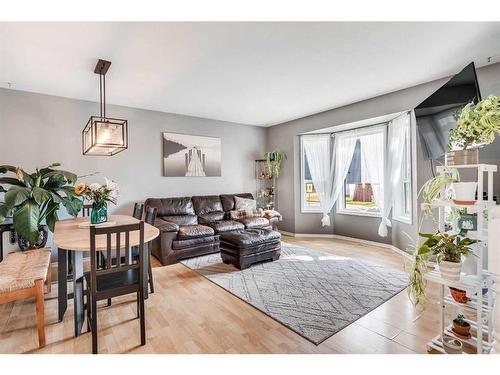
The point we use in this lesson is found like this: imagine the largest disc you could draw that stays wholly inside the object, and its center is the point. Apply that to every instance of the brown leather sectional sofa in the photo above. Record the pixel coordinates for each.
(190, 226)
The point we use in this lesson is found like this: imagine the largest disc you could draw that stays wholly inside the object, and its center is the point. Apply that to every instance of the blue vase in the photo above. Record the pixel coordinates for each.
(99, 213)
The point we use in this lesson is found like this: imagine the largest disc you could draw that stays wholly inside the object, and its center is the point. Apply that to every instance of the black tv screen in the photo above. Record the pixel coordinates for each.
(436, 114)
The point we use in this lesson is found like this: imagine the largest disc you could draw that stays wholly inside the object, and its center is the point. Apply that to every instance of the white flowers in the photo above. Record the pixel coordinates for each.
(96, 193)
(114, 192)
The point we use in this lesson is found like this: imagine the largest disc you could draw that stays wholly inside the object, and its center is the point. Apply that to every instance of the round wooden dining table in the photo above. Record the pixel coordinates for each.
(74, 241)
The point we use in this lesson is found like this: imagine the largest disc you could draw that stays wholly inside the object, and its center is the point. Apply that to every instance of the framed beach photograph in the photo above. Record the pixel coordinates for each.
(186, 155)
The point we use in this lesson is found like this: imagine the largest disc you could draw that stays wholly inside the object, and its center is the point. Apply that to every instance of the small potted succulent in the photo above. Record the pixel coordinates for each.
(460, 326)
(477, 124)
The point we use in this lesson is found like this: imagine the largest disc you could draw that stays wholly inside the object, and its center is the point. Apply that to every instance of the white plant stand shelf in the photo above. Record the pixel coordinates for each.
(480, 306)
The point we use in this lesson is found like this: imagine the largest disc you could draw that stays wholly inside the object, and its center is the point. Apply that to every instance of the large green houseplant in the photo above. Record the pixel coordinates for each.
(34, 199)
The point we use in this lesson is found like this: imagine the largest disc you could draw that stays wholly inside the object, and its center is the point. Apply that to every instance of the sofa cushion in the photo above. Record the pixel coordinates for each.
(182, 219)
(206, 204)
(183, 244)
(210, 217)
(171, 206)
(227, 200)
(166, 226)
(226, 226)
(255, 222)
(250, 238)
(194, 231)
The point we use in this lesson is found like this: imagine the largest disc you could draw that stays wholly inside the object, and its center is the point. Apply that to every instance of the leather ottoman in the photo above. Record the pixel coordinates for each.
(246, 247)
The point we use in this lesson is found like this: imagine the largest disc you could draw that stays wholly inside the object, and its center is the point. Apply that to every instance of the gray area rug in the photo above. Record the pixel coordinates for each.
(313, 293)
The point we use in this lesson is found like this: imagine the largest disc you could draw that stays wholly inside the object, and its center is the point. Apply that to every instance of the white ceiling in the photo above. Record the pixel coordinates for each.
(251, 73)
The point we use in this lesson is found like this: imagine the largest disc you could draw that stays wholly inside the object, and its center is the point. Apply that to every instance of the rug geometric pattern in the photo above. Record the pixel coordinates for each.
(313, 293)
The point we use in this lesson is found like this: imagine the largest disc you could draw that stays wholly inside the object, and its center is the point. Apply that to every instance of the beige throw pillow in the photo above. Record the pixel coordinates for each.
(244, 204)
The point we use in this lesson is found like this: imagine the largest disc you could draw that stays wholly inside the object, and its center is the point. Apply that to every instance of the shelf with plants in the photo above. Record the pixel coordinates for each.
(267, 171)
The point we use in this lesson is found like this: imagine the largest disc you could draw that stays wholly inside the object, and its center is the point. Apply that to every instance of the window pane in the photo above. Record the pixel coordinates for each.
(359, 189)
(311, 200)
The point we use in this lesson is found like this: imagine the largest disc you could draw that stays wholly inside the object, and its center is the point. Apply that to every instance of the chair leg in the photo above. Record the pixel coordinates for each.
(48, 280)
(150, 273)
(40, 312)
(142, 318)
(138, 307)
(89, 308)
(109, 301)
(94, 326)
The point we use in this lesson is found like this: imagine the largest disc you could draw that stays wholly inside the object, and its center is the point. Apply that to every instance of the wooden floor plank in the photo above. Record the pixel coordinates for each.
(189, 314)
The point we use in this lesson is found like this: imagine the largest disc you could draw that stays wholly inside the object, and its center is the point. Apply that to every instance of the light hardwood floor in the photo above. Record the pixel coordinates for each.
(189, 314)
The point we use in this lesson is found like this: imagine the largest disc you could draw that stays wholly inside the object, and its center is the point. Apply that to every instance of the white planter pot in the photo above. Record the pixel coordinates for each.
(450, 270)
(464, 191)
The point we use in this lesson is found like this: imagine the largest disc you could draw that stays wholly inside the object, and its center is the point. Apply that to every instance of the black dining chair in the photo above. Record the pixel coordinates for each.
(138, 210)
(86, 209)
(113, 279)
(150, 218)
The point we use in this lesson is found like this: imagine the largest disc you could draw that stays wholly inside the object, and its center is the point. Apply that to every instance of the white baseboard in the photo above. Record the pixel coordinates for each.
(352, 239)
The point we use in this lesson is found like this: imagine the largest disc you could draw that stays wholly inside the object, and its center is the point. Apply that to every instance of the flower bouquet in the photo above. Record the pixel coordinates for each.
(99, 195)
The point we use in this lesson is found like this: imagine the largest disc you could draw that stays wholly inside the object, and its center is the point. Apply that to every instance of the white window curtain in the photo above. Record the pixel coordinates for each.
(372, 164)
(343, 150)
(394, 165)
(319, 159)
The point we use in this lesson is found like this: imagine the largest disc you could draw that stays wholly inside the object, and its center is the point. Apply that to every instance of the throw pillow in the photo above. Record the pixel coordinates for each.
(244, 204)
(241, 214)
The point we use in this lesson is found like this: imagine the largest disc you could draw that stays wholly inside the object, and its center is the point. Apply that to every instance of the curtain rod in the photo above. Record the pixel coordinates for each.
(359, 127)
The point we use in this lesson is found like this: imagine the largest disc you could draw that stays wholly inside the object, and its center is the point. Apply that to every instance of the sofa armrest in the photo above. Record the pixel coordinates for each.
(269, 214)
(166, 226)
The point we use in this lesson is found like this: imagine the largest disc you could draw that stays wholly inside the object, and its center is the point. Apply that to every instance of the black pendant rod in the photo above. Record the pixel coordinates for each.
(101, 69)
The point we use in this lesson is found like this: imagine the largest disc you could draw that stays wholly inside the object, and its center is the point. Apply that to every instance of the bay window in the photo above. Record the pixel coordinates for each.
(363, 191)
(403, 196)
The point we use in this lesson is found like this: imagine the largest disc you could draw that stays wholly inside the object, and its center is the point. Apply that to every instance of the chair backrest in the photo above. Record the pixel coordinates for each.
(138, 210)
(117, 238)
(150, 215)
(86, 210)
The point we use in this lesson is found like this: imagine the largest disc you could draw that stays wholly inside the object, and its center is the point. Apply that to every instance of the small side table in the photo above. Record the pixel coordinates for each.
(6, 226)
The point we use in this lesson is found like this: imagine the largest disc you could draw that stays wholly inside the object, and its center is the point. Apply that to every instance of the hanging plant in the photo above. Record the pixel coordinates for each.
(273, 161)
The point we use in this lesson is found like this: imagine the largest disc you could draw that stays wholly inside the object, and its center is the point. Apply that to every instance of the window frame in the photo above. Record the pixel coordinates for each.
(303, 208)
(398, 204)
(371, 129)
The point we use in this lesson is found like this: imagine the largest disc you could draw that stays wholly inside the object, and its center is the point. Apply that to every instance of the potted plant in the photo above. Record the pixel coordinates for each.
(99, 195)
(477, 124)
(464, 192)
(273, 161)
(448, 250)
(432, 189)
(460, 326)
(34, 199)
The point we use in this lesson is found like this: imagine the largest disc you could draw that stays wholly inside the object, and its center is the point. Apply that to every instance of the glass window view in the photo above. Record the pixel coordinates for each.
(363, 186)
(310, 199)
(403, 197)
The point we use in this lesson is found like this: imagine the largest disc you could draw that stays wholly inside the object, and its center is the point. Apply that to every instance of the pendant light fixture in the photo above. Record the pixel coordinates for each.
(104, 136)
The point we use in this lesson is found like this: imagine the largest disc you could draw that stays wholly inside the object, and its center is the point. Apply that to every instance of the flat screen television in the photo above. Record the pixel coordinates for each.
(436, 114)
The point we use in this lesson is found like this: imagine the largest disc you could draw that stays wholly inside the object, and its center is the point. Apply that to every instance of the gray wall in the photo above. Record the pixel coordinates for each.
(39, 129)
(285, 137)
